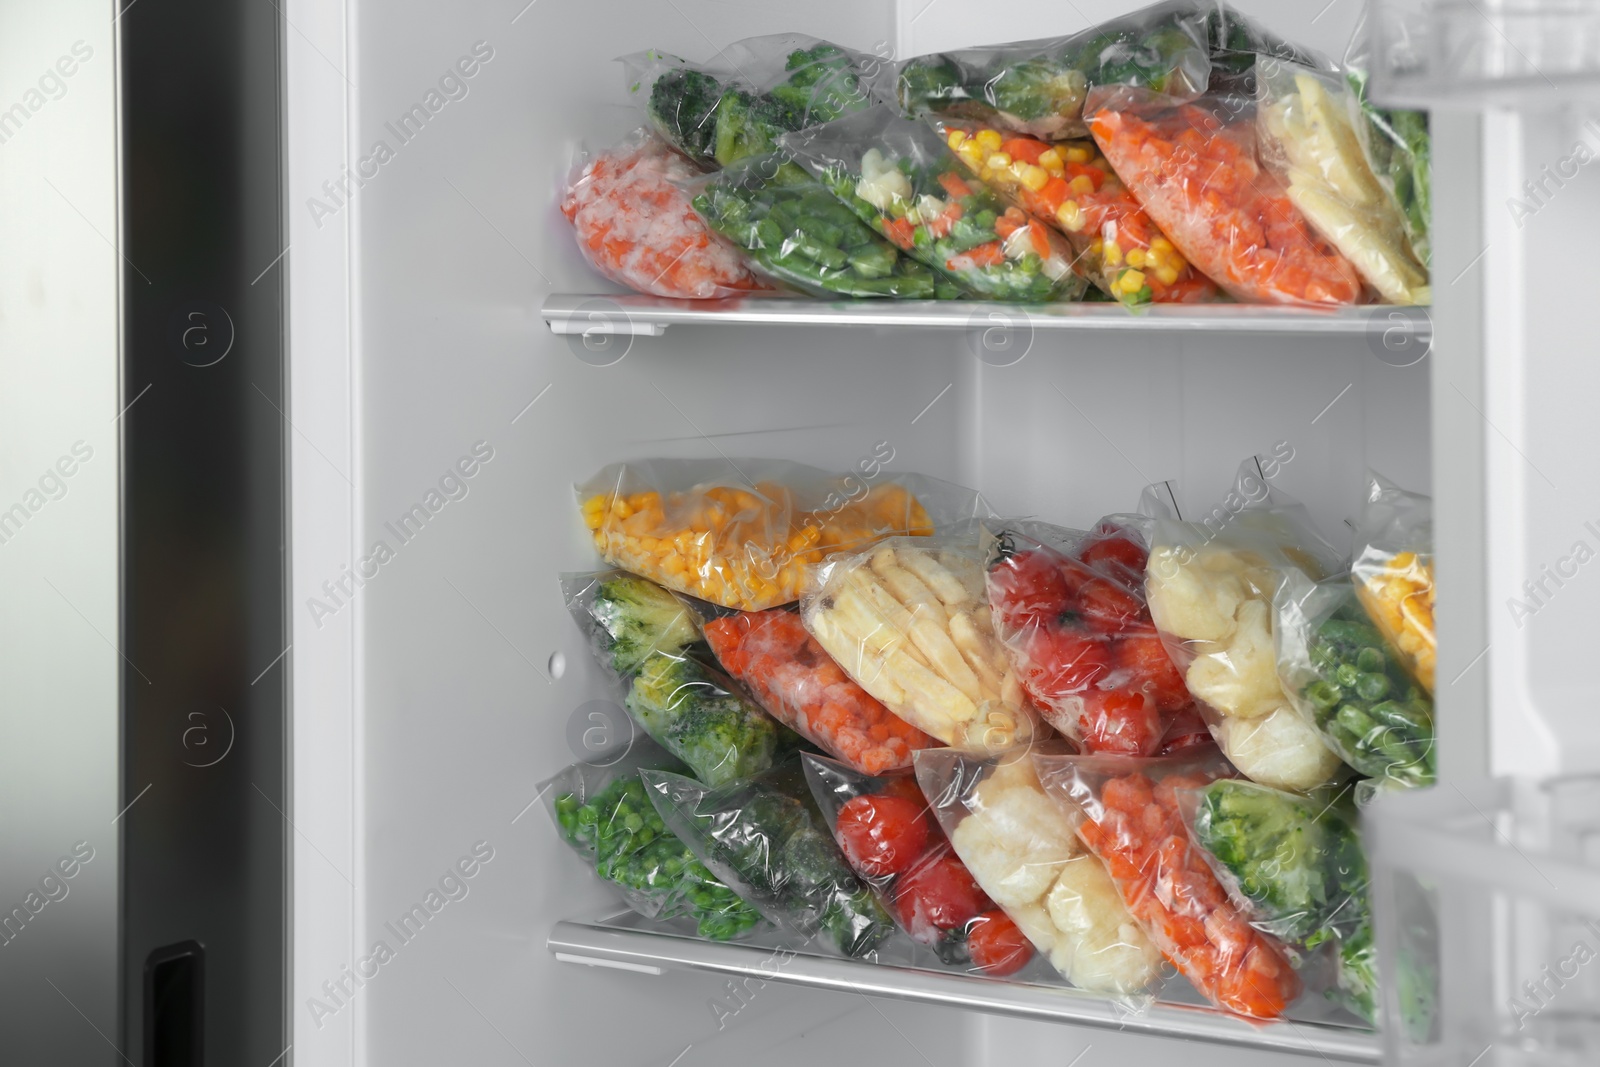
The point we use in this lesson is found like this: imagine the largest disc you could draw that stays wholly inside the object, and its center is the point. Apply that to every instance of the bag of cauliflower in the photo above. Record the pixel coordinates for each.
(1210, 583)
(1022, 847)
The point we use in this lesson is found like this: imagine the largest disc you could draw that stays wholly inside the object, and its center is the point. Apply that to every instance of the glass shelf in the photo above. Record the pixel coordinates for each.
(627, 942)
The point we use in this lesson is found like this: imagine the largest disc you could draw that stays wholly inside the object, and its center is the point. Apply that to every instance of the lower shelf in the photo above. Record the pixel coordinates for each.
(627, 942)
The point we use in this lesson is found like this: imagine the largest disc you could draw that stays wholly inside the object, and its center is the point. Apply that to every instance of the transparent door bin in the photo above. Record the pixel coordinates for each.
(1487, 904)
(1472, 52)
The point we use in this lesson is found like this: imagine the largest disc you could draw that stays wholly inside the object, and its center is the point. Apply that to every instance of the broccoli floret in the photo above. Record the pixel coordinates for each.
(856, 922)
(721, 736)
(637, 618)
(683, 103)
(749, 124)
(822, 85)
(1038, 89)
(931, 83)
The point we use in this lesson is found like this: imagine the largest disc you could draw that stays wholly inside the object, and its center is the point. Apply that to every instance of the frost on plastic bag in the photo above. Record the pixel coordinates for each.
(1308, 125)
(892, 840)
(1393, 573)
(635, 225)
(796, 232)
(1210, 586)
(1196, 169)
(605, 815)
(766, 839)
(627, 619)
(1115, 244)
(1077, 631)
(898, 176)
(1134, 824)
(1020, 845)
(908, 619)
(798, 683)
(750, 94)
(1340, 674)
(739, 533)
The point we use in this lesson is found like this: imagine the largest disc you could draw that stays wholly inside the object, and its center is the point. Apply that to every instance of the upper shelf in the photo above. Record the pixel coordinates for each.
(578, 314)
(629, 943)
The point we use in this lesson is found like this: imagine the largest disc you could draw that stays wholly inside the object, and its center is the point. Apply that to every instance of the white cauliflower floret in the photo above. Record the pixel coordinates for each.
(1241, 679)
(1280, 750)
(1100, 947)
(1189, 601)
(1035, 924)
(882, 183)
(1015, 839)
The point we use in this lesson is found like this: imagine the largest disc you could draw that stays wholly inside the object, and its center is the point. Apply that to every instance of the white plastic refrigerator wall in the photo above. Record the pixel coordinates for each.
(431, 699)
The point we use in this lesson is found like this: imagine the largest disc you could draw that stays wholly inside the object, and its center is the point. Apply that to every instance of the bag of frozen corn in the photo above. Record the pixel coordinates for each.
(1393, 572)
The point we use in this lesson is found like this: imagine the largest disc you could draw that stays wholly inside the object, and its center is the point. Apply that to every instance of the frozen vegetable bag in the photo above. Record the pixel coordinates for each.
(898, 176)
(909, 621)
(605, 815)
(642, 636)
(893, 842)
(739, 532)
(635, 225)
(1134, 823)
(1210, 585)
(1021, 846)
(1393, 572)
(765, 838)
(1398, 145)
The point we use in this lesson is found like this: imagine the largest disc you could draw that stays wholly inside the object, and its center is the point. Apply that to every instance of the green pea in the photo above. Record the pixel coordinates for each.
(1371, 660)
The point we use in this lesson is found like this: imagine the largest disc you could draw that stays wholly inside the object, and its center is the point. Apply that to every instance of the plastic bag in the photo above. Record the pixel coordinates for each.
(798, 683)
(1021, 846)
(899, 177)
(1115, 244)
(1393, 573)
(795, 231)
(750, 94)
(605, 815)
(1196, 169)
(1398, 146)
(739, 533)
(635, 225)
(1134, 824)
(627, 619)
(765, 838)
(1308, 125)
(1078, 633)
(1210, 586)
(1339, 673)
(908, 619)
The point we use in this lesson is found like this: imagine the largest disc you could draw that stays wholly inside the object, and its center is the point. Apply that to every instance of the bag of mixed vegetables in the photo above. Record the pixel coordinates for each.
(1308, 123)
(1070, 185)
(1021, 846)
(798, 683)
(1133, 822)
(898, 177)
(1393, 573)
(1398, 147)
(765, 838)
(909, 620)
(739, 533)
(890, 838)
(1340, 674)
(1210, 586)
(795, 231)
(1077, 631)
(749, 95)
(642, 635)
(605, 815)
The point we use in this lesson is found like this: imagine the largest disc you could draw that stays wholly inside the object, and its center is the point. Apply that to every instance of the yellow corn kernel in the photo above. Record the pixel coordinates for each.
(1136, 258)
(1035, 177)
(1082, 185)
(1160, 244)
(1167, 275)
(989, 140)
(1070, 215)
(1132, 281)
(1050, 159)
(1112, 253)
(986, 173)
(998, 161)
(955, 138)
(1096, 246)
(1076, 154)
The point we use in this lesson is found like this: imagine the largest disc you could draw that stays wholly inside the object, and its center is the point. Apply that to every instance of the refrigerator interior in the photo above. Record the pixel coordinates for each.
(429, 701)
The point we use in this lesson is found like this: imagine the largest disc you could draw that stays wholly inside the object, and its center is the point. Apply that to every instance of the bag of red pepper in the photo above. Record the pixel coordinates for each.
(1134, 822)
(1071, 612)
(893, 842)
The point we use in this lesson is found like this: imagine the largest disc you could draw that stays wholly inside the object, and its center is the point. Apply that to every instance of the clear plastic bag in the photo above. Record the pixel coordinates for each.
(635, 225)
(1393, 573)
(795, 231)
(1196, 169)
(798, 683)
(765, 838)
(1134, 824)
(607, 818)
(739, 533)
(1077, 631)
(1336, 668)
(751, 93)
(909, 620)
(1021, 846)
(1210, 586)
(1398, 146)
(898, 176)
(1115, 244)
(1308, 125)
(627, 619)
